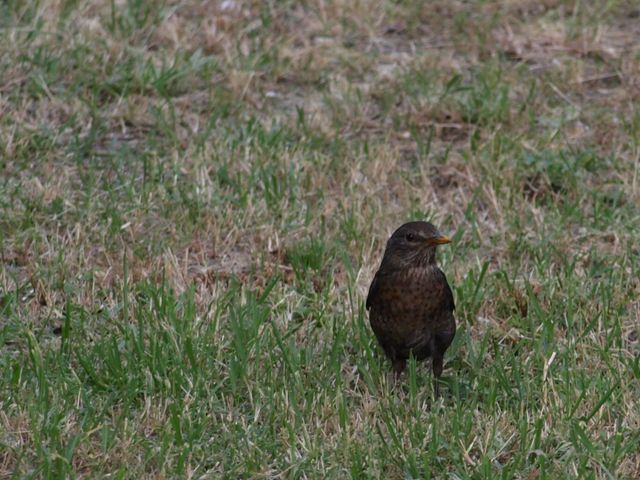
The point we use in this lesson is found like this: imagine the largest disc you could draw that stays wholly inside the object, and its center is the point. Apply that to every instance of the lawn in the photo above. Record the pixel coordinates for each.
(195, 195)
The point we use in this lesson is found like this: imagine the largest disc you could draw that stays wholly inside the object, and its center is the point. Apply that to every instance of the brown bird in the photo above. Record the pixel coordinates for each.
(410, 302)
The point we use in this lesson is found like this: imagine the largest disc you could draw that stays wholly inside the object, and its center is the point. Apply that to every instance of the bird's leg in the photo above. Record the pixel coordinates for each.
(398, 366)
(436, 364)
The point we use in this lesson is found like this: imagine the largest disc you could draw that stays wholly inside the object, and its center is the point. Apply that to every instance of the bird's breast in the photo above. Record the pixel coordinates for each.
(411, 290)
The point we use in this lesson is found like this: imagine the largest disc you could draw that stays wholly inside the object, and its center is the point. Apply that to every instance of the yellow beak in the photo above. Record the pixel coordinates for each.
(439, 240)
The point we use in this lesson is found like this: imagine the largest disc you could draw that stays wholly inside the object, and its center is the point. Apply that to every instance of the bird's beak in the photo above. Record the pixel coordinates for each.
(441, 240)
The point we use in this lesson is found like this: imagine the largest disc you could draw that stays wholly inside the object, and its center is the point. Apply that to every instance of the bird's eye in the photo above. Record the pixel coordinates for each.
(410, 237)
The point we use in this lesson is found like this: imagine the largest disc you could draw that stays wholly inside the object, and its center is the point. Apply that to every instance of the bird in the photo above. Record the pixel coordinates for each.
(410, 302)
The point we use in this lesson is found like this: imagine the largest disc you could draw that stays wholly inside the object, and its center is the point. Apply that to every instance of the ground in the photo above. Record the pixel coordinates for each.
(195, 196)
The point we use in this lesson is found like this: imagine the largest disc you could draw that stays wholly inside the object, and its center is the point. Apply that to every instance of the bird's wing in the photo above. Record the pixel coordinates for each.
(373, 291)
(449, 303)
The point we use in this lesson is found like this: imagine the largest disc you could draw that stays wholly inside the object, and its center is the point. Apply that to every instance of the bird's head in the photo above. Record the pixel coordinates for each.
(412, 245)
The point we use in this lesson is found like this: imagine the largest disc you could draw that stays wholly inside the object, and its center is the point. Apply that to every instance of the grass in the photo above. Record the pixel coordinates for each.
(195, 197)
